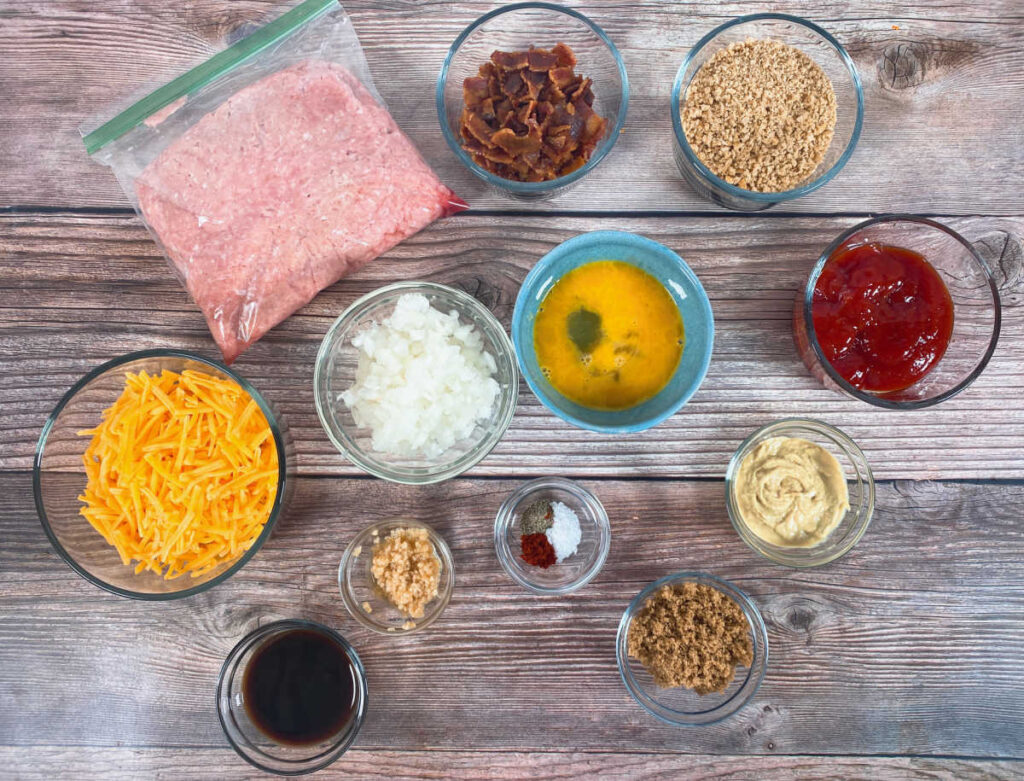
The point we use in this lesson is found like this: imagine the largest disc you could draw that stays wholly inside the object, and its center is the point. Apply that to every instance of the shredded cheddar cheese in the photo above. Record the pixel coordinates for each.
(182, 472)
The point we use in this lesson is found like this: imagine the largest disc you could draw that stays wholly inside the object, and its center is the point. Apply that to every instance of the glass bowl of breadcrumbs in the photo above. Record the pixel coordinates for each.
(396, 577)
(692, 649)
(765, 108)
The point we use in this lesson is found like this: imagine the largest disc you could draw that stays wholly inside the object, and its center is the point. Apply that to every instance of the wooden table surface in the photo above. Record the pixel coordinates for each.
(904, 659)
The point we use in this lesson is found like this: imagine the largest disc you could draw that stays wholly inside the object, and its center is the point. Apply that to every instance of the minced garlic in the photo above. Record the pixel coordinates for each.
(407, 570)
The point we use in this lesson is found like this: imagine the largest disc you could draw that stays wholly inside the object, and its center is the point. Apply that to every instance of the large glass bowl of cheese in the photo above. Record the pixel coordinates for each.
(160, 474)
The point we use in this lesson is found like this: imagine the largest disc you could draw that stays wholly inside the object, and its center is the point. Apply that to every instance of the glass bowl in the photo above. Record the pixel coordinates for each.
(359, 591)
(682, 285)
(830, 56)
(575, 571)
(58, 478)
(859, 482)
(977, 313)
(335, 372)
(683, 707)
(516, 28)
(255, 747)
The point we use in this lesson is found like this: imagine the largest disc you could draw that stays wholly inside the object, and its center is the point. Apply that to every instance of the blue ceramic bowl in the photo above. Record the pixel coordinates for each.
(681, 283)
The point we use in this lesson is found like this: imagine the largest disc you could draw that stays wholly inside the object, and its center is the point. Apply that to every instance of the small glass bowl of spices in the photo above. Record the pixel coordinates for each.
(692, 649)
(396, 576)
(765, 108)
(800, 492)
(552, 535)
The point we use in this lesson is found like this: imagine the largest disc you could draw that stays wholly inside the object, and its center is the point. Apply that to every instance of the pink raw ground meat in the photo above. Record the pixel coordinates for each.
(286, 187)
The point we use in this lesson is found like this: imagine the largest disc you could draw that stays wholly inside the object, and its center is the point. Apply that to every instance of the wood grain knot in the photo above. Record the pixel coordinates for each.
(800, 619)
(905, 65)
(765, 720)
(218, 25)
(901, 67)
(487, 293)
(243, 30)
(1004, 253)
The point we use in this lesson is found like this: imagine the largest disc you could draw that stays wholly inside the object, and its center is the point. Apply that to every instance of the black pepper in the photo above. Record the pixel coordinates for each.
(536, 519)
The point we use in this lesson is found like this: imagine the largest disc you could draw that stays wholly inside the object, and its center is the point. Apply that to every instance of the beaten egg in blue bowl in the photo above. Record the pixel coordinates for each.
(613, 331)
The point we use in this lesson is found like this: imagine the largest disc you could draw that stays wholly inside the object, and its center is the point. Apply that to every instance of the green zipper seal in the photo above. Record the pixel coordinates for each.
(203, 74)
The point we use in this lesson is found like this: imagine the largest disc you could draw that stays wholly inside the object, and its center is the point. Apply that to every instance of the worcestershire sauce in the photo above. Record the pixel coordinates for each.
(299, 688)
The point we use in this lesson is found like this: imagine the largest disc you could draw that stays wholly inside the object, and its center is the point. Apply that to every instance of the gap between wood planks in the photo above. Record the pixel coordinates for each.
(117, 211)
(1009, 481)
(585, 752)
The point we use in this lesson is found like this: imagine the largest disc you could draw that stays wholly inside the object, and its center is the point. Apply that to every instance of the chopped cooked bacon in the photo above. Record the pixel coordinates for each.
(528, 116)
(541, 60)
(566, 57)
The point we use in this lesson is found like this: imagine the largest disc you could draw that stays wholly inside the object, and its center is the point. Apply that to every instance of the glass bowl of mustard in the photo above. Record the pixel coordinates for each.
(800, 492)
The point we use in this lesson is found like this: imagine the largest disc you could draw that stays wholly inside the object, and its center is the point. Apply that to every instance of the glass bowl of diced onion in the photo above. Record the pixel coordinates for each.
(60, 478)
(338, 368)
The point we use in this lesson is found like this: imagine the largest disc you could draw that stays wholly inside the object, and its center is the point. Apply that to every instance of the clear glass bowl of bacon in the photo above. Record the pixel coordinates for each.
(531, 98)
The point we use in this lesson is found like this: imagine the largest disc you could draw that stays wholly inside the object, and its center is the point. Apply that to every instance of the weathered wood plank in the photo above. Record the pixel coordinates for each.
(944, 94)
(78, 290)
(196, 764)
(871, 655)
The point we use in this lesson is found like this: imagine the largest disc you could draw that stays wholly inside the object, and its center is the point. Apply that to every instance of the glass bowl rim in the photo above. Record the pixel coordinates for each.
(486, 321)
(531, 188)
(753, 195)
(114, 363)
(444, 595)
(812, 339)
(503, 521)
(592, 237)
(758, 630)
(361, 684)
(865, 513)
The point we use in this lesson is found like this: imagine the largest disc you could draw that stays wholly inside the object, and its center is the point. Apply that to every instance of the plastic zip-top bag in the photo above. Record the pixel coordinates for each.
(270, 171)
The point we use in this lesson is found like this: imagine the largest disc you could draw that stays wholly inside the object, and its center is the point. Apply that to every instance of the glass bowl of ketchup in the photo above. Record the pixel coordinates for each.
(900, 312)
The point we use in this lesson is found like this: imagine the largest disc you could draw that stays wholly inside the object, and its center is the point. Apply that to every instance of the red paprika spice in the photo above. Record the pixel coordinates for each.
(538, 550)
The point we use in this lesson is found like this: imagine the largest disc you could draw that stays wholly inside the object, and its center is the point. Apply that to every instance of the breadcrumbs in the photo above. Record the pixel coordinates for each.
(407, 570)
(691, 635)
(760, 115)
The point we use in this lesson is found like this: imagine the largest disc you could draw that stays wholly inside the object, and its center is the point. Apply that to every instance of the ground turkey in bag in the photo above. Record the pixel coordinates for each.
(290, 184)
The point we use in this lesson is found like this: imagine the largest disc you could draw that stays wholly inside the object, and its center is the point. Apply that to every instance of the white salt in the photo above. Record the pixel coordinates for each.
(423, 381)
(564, 534)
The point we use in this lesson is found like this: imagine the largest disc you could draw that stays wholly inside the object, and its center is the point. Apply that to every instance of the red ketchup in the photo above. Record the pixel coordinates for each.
(882, 316)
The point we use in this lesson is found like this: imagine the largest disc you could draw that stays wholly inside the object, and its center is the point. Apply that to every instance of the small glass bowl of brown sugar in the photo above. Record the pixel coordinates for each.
(396, 577)
(765, 108)
(655, 649)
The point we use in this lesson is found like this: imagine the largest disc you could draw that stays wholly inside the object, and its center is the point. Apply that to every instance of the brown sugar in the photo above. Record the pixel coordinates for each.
(760, 115)
(407, 570)
(691, 635)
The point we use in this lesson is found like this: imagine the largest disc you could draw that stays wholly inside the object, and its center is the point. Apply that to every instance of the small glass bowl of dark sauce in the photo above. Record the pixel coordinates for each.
(292, 697)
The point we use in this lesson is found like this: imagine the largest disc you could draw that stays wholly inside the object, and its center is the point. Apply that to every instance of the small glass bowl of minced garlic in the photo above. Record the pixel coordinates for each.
(800, 492)
(396, 576)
